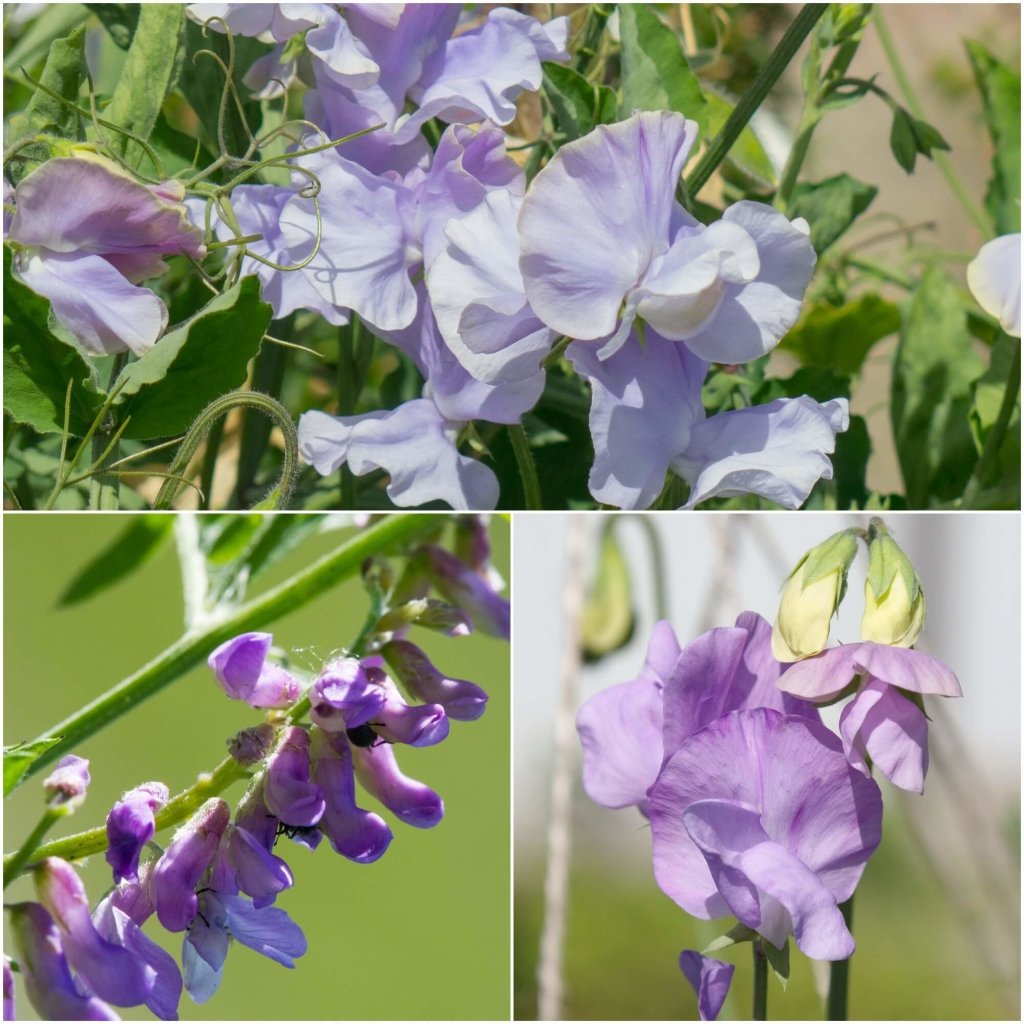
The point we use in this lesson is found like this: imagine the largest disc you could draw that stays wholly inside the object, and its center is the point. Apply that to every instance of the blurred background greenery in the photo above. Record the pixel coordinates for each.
(421, 934)
(937, 914)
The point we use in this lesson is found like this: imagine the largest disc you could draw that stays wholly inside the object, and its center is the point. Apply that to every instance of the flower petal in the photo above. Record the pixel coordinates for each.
(994, 279)
(710, 980)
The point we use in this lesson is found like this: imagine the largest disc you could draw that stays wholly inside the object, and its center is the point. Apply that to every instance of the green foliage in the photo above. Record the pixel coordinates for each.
(1000, 94)
(128, 551)
(747, 162)
(194, 363)
(830, 207)
(608, 617)
(850, 465)
(578, 106)
(989, 390)
(655, 74)
(120, 21)
(39, 367)
(910, 136)
(933, 373)
(19, 757)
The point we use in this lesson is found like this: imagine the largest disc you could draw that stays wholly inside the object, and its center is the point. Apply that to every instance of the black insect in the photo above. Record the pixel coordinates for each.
(364, 735)
(292, 831)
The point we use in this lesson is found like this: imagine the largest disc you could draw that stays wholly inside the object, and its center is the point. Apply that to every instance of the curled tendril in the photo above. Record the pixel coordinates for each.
(280, 495)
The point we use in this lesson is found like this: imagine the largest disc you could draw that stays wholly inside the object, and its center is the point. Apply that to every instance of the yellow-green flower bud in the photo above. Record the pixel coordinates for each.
(893, 597)
(810, 598)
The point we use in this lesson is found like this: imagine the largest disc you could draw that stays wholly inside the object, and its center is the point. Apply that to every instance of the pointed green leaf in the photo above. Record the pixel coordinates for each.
(778, 960)
(608, 618)
(38, 366)
(988, 399)
(20, 757)
(747, 156)
(194, 363)
(902, 141)
(830, 207)
(577, 105)
(655, 74)
(738, 933)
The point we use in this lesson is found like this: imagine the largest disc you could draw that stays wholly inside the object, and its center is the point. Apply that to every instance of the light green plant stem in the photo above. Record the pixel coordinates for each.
(15, 862)
(597, 18)
(104, 488)
(654, 546)
(839, 974)
(527, 467)
(760, 981)
(976, 214)
(754, 96)
(348, 395)
(996, 436)
(193, 648)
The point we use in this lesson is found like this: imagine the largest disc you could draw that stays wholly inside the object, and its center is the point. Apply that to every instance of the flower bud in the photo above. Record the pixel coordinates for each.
(66, 785)
(461, 586)
(461, 699)
(242, 669)
(287, 790)
(810, 598)
(893, 598)
(130, 825)
(8, 990)
(250, 746)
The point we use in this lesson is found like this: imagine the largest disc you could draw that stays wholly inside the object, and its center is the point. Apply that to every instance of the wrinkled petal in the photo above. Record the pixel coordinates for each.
(778, 450)
(415, 803)
(414, 443)
(710, 980)
(994, 279)
(130, 825)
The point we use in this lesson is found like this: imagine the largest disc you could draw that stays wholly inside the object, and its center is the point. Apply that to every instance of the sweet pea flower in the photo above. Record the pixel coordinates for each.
(885, 721)
(88, 257)
(130, 825)
(737, 830)
(604, 242)
(994, 279)
(244, 673)
(710, 980)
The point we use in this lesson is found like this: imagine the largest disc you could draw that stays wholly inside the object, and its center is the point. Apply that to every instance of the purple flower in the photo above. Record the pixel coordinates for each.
(288, 792)
(605, 242)
(413, 802)
(130, 825)
(44, 969)
(759, 815)
(8, 990)
(459, 584)
(461, 699)
(183, 864)
(994, 279)
(242, 669)
(344, 696)
(710, 980)
(66, 785)
(87, 257)
(885, 720)
(357, 834)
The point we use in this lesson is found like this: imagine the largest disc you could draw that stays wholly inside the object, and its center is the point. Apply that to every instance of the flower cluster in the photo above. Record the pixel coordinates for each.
(220, 875)
(756, 808)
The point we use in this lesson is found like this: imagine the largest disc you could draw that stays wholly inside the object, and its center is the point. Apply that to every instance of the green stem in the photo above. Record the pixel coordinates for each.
(210, 455)
(661, 607)
(760, 981)
(15, 862)
(527, 467)
(754, 96)
(597, 18)
(977, 215)
(348, 395)
(996, 435)
(192, 649)
(839, 974)
(104, 487)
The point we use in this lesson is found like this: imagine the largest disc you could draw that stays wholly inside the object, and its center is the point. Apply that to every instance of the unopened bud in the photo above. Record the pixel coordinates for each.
(893, 599)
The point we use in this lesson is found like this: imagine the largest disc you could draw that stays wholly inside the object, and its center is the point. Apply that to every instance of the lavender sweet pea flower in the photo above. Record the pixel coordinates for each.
(994, 279)
(288, 792)
(65, 786)
(710, 980)
(463, 587)
(130, 825)
(883, 721)
(243, 671)
(780, 850)
(604, 242)
(461, 699)
(87, 257)
(44, 969)
(415, 803)
(183, 864)
(357, 834)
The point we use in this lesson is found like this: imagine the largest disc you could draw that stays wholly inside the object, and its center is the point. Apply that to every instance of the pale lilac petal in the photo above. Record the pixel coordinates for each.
(645, 408)
(994, 279)
(779, 451)
(823, 677)
(882, 724)
(710, 980)
(414, 443)
(205, 949)
(345, 58)
(244, 672)
(595, 218)
(100, 307)
(267, 930)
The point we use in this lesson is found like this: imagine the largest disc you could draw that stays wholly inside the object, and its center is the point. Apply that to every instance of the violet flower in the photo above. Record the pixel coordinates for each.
(415, 803)
(344, 697)
(66, 785)
(244, 673)
(8, 989)
(461, 699)
(87, 257)
(130, 825)
(885, 721)
(710, 980)
(461, 585)
(258, 872)
(44, 969)
(288, 792)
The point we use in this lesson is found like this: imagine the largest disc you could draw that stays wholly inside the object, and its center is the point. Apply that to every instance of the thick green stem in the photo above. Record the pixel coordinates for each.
(996, 436)
(527, 467)
(976, 214)
(192, 649)
(15, 862)
(839, 975)
(754, 96)
(760, 981)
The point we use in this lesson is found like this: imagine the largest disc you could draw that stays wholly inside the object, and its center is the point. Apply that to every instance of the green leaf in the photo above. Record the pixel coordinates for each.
(830, 207)
(194, 363)
(988, 398)
(778, 960)
(1000, 95)
(21, 756)
(655, 74)
(738, 933)
(137, 543)
(55, 22)
(44, 115)
(38, 366)
(120, 21)
(150, 72)
(578, 106)
(901, 140)
(850, 465)
(747, 157)
(840, 338)
(934, 369)
(608, 617)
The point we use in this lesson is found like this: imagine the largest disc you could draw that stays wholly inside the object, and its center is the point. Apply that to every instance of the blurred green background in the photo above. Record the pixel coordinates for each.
(421, 934)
